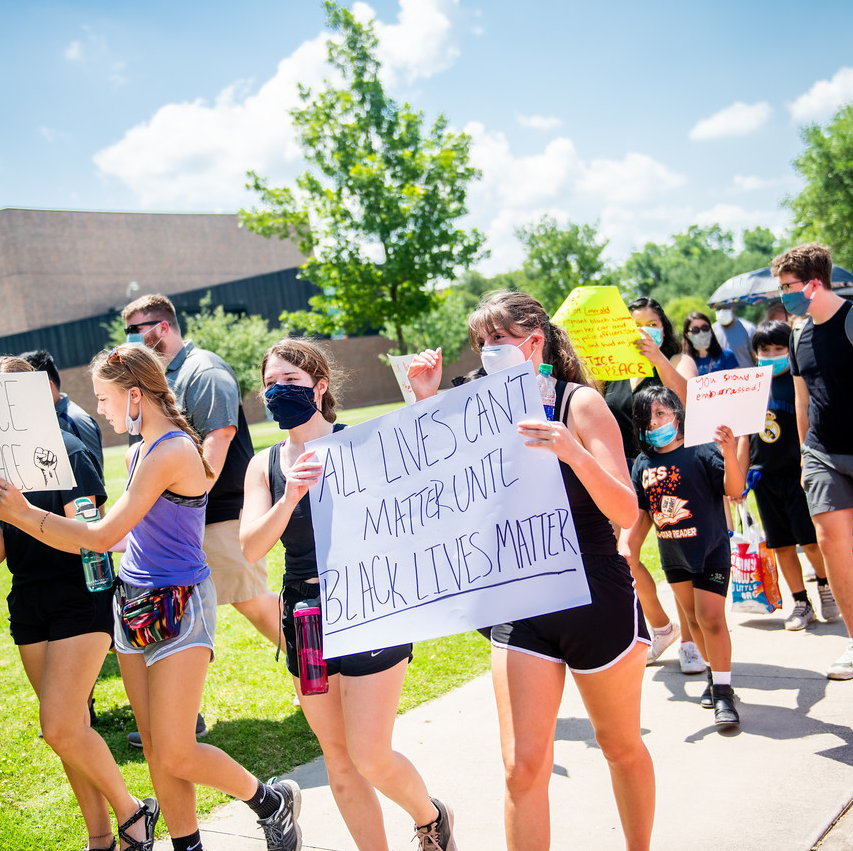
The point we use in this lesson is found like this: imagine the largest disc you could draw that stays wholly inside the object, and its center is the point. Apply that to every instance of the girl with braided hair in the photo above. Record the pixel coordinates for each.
(165, 600)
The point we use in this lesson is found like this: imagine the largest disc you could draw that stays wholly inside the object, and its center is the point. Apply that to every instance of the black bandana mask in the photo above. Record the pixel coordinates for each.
(290, 404)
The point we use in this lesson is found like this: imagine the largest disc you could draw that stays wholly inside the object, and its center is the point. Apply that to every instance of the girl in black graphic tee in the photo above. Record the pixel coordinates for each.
(680, 490)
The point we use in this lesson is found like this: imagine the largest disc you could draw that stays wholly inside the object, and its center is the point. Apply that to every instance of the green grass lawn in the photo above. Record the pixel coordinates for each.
(247, 703)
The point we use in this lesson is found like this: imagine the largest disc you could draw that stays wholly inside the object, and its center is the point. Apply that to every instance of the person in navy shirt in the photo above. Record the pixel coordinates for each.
(702, 345)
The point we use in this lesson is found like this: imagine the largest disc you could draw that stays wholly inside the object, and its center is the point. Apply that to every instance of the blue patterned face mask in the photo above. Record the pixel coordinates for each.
(779, 363)
(291, 405)
(655, 333)
(796, 303)
(662, 436)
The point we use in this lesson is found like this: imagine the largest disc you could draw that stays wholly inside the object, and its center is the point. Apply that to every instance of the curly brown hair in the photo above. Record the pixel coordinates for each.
(808, 262)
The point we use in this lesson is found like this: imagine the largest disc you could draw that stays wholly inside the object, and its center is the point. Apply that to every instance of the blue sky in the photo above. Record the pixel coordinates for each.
(642, 117)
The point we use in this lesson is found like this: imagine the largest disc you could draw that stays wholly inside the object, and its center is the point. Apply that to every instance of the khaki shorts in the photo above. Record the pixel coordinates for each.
(236, 579)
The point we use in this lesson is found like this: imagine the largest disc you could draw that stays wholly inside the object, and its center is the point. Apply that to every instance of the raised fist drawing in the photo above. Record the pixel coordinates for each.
(46, 461)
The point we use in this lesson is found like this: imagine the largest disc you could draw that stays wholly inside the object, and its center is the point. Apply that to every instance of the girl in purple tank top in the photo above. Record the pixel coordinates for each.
(159, 521)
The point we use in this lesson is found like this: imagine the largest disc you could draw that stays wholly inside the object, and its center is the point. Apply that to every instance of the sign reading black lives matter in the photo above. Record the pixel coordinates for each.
(32, 454)
(436, 519)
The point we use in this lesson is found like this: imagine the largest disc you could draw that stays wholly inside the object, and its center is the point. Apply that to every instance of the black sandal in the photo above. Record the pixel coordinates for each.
(111, 848)
(150, 811)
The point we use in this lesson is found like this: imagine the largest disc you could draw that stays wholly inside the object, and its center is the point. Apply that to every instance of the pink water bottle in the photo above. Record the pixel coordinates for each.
(313, 678)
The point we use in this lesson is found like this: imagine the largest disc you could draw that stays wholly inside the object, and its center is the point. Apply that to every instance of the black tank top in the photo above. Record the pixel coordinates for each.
(595, 534)
(300, 556)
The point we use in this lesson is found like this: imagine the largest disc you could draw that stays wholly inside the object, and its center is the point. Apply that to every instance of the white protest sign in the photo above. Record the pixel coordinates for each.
(32, 454)
(736, 398)
(400, 364)
(436, 518)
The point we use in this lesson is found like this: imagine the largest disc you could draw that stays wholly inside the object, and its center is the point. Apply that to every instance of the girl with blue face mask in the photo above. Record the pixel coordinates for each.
(680, 491)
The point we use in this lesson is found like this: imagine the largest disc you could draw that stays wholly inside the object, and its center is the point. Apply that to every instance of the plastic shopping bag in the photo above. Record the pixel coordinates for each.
(755, 577)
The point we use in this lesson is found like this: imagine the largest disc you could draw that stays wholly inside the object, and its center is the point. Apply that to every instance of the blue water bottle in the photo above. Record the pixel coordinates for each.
(547, 389)
(97, 567)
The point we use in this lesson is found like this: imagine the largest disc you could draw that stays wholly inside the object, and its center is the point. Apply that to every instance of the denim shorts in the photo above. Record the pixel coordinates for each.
(198, 624)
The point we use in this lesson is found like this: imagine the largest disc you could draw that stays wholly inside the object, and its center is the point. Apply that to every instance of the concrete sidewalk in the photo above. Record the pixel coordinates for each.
(783, 781)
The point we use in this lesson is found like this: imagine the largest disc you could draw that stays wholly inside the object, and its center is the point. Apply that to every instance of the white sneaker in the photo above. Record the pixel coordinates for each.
(802, 615)
(690, 658)
(828, 606)
(661, 639)
(842, 667)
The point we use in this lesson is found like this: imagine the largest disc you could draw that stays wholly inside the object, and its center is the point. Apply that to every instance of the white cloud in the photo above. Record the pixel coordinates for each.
(194, 155)
(824, 97)
(539, 122)
(74, 51)
(48, 133)
(635, 179)
(753, 183)
(421, 43)
(735, 218)
(739, 119)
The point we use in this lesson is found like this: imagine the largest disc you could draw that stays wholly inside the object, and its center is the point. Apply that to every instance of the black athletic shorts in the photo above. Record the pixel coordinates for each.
(714, 579)
(587, 638)
(354, 665)
(784, 511)
(57, 608)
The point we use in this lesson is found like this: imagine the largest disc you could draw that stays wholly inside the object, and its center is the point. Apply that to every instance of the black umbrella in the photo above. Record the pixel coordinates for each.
(760, 286)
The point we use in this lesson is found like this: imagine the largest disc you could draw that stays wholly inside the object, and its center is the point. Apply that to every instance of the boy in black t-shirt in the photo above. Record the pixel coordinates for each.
(773, 459)
(680, 489)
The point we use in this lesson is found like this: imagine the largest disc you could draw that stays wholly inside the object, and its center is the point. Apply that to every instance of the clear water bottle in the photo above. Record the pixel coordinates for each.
(97, 567)
(313, 677)
(547, 389)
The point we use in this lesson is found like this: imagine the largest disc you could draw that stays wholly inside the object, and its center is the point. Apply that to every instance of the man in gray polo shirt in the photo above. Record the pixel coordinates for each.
(206, 389)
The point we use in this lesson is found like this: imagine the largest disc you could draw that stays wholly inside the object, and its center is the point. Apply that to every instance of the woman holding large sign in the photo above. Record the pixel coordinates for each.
(63, 632)
(354, 719)
(604, 644)
(165, 603)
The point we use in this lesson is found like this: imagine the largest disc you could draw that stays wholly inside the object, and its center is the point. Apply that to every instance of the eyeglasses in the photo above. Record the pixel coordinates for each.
(786, 288)
(134, 329)
(695, 329)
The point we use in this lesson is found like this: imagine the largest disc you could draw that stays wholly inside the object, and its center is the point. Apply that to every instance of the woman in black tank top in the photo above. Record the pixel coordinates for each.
(529, 684)
(354, 720)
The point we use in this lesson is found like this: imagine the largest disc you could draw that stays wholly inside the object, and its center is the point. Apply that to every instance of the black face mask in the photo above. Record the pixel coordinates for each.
(290, 404)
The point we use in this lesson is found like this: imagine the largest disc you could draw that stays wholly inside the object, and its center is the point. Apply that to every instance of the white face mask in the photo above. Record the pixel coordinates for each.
(725, 316)
(134, 426)
(496, 358)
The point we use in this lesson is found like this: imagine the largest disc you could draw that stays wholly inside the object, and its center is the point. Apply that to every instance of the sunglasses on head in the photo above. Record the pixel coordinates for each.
(134, 329)
(698, 328)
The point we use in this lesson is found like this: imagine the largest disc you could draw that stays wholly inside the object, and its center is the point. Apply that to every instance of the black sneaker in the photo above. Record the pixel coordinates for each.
(135, 740)
(281, 831)
(707, 699)
(437, 836)
(725, 714)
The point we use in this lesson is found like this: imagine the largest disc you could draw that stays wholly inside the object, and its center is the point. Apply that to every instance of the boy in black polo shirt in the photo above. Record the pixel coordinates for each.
(772, 457)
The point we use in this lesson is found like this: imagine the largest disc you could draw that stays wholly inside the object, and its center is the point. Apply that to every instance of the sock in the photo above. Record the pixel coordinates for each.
(187, 843)
(664, 630)
(801, 597)
(821, 581)
(722, 678)
(265, 802)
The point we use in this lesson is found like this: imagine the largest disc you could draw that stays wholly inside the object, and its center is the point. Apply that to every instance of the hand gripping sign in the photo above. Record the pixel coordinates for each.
(436, 519)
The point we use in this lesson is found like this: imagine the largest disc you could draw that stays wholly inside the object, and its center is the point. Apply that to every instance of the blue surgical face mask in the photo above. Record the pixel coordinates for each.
(655, 333)
(662, 436)
(136, 338)
(291, 405)
(778, 362)
(134, 426)
(796, 303)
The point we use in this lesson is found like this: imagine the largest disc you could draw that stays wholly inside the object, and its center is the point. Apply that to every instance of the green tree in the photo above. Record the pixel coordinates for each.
(560, 258)
(377, 215)
(823, 209)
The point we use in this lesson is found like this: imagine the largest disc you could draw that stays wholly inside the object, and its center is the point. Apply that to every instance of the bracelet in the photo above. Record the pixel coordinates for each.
(41, 525)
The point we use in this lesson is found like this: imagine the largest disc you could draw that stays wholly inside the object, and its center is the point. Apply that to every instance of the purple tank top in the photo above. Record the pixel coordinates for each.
(164, 548)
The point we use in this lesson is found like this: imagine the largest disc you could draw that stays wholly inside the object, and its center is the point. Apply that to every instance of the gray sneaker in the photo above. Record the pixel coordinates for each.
(801, 616)
(437, 836)
(281, 831)
(842, 667)
(828, 606)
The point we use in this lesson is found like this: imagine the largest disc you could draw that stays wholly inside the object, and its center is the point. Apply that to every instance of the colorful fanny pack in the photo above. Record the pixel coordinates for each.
(155, 615)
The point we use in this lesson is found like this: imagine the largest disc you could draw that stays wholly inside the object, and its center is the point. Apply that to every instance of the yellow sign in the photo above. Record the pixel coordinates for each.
(603, 333)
